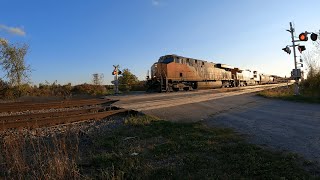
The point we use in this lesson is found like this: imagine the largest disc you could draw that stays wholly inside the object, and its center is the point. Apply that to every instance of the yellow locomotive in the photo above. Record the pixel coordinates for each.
(174, 73)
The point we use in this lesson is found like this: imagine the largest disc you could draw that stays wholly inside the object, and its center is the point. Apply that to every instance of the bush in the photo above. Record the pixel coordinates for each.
(9, 93)
(46, 89)
(90, 89)
(311, 85)
(138, 86)
(54, 89)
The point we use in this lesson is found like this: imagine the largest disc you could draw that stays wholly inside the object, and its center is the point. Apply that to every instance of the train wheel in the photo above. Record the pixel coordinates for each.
(186, 88)
(195, 85)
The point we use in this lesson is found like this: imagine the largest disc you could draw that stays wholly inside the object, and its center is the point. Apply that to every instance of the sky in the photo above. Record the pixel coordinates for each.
(71, 40)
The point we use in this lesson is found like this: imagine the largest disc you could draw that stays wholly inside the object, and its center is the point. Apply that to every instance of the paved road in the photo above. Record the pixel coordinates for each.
(279, 124)
(144, 102)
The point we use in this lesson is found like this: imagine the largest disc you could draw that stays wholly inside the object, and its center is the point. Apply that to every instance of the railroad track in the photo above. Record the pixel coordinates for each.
(18, 107)
(45, 118)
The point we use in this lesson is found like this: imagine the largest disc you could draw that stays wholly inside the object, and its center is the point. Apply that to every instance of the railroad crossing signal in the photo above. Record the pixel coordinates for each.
(303, 36)
(116, 71)
(301, 48)
(314, 36)
(296, 73)
(287, 49)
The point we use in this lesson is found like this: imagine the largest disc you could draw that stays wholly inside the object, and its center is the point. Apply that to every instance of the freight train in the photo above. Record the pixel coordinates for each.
(174, 73)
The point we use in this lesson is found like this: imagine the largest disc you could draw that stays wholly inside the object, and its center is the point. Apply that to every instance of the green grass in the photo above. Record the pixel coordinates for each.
(140, 120)
(165, 150)
(287, 93)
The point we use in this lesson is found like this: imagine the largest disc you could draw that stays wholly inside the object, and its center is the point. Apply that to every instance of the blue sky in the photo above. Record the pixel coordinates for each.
(71, 40)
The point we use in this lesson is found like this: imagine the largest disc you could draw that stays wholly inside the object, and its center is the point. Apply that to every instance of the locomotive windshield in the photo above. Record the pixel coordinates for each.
(166, 60)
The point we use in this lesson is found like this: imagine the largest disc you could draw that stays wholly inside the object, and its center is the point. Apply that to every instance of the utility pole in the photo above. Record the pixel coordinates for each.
(296, 87)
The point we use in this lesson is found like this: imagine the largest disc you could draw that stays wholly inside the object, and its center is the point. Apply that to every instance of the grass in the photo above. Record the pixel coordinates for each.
(25, 156)
(140, 120)
(287, 93)
(150, 148)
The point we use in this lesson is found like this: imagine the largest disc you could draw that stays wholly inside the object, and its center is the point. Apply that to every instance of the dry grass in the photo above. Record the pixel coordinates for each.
(278, 92)
(287, 93)
(25, 156)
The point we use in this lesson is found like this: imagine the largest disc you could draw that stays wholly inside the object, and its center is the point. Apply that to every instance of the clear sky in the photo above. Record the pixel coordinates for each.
(72, 39)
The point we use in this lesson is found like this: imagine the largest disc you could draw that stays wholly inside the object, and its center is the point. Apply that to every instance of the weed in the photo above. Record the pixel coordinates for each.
(29, 157)
(287, 93)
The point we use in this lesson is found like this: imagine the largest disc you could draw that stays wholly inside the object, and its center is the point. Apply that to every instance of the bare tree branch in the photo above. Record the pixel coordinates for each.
(12, 62)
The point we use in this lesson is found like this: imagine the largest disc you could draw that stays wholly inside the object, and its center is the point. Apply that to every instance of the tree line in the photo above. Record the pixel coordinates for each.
(16, 80)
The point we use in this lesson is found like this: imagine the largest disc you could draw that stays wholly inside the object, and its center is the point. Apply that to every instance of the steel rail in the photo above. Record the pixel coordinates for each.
(59, 120)
(4, 119)
(40, 106)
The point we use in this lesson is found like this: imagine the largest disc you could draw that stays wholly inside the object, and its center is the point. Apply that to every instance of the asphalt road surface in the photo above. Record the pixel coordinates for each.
(274, 123)
(282, 125)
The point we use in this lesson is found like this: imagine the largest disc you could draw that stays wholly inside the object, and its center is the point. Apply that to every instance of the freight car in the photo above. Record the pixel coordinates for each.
(174, 73)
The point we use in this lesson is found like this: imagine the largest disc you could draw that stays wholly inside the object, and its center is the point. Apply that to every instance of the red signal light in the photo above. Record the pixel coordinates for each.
(303, 37)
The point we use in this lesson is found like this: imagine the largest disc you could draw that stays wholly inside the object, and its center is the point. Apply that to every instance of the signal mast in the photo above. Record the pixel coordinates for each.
(116, 72)
(296, 73)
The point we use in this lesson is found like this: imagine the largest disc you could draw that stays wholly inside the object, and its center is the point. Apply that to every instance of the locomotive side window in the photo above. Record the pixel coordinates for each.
(177, 60)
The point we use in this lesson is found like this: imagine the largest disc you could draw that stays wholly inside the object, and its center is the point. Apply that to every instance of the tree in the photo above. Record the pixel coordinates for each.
(97, 79)
(127, 80)
(12, 62)
(311, 85)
